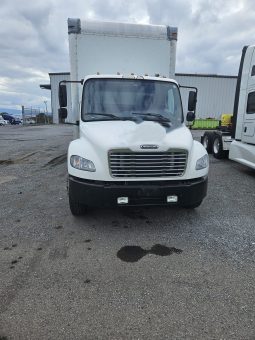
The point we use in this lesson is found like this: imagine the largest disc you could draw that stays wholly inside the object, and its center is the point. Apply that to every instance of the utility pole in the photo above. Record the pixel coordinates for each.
(23, 114)
(46, 111)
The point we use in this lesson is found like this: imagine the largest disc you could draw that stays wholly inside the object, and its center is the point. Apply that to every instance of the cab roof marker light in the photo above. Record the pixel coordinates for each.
(118, 73)
(98, 73)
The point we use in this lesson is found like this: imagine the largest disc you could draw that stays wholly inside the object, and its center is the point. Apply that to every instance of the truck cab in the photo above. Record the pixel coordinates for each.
(237, 140)
(242, 149)
(132, 146)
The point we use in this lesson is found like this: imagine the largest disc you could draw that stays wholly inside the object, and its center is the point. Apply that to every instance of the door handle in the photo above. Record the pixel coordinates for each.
(245, 129)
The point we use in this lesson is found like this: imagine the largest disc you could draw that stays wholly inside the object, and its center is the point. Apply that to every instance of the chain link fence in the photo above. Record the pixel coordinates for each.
(35, 116)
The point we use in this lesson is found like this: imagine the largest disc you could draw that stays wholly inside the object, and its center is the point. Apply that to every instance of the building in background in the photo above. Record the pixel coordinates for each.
(216, 93)
(55, 79)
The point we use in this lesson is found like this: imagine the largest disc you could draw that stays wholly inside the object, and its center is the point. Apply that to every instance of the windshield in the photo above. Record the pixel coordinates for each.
(132, 99)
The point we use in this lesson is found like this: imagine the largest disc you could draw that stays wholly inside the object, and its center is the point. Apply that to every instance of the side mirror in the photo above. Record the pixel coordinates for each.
(190, 117)
(62, 113)
(62, 95)
(192, 101)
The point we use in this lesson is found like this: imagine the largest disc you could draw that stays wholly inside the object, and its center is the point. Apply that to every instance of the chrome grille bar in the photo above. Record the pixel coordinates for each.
(147, 164)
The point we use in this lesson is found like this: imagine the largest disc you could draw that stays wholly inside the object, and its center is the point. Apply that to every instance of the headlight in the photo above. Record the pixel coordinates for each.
(80, 163)
(202, 162)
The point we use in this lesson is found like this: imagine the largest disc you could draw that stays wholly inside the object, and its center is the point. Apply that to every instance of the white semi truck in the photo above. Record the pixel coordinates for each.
(238, 140)
(132, 146)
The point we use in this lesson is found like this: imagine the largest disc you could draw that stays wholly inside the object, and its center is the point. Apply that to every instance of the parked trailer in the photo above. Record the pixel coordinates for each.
(238, 140)
(132, 145)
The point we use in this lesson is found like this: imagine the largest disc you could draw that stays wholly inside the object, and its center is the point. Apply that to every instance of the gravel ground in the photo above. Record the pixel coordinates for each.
(63, 277)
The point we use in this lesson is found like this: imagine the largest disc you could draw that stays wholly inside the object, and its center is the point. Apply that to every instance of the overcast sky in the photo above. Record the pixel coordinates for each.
(33, 37)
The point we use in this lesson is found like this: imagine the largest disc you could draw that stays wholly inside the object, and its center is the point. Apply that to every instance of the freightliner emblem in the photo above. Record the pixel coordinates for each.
(149, 146)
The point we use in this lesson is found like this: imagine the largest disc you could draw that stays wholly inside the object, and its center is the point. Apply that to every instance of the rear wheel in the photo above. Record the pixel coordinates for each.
(208, 141)
(217, 148)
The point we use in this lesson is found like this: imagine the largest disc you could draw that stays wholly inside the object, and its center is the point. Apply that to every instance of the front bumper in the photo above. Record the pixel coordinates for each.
(102, 193)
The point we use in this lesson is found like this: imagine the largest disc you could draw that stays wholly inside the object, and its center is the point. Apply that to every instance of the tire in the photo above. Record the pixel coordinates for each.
(192, 206)
(77, 209)
(217, 148)
(207, 141)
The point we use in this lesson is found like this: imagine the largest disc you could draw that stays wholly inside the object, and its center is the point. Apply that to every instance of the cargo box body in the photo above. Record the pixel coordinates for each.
(112, 48)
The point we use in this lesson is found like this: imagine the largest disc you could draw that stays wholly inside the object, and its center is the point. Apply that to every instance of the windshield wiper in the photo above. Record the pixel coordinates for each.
(111, 116)
(156, 117)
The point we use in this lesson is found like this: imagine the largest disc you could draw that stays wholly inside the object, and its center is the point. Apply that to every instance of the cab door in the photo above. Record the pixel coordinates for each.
(248, 134)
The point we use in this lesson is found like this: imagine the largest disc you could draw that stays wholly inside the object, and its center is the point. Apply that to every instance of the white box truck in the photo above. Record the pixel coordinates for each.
(132, 146)
(238, 140)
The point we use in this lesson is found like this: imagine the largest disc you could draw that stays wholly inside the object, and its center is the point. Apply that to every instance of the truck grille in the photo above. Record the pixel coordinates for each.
(149, 164)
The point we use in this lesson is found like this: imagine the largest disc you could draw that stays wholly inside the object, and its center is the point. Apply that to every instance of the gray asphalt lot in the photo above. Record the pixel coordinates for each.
(61, 277)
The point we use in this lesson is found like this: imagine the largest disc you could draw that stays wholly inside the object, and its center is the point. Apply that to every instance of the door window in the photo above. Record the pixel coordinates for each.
(251, 103)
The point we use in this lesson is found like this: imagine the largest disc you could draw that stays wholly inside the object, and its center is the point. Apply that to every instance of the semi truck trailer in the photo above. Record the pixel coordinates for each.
(131, 145)
(237, 140)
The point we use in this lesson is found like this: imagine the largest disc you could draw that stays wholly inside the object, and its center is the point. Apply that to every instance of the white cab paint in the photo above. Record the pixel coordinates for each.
(97, 138)
(242, 149)
(140, 49)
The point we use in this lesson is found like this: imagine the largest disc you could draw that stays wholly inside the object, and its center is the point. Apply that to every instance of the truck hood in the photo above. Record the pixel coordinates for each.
(130, 135)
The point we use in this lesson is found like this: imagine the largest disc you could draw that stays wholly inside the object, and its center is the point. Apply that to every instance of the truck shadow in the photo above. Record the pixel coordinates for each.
(138, 219)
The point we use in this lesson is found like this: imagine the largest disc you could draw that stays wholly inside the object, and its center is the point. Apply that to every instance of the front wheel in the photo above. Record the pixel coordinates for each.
(76, 207)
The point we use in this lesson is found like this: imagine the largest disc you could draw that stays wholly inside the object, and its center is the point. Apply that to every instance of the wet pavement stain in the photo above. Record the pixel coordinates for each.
(87, 241)
(115, 223)
(39, 248)
(135, 214)
(6, 162)
(86, 281)
(135, 253)
(58, 253)
(56, 161)
(14, 262)
(59, 227)
(2, 337)
(89, 248)
(131, 253)
(14, 245)
(23, 159)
